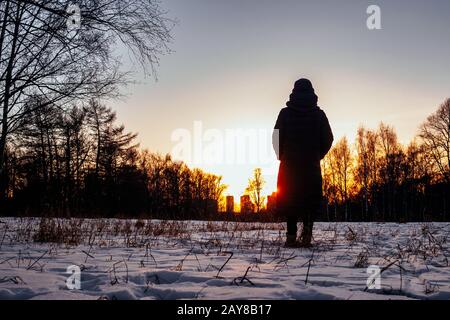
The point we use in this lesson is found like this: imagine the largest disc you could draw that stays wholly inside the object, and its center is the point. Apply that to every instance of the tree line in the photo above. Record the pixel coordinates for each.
(62, 152)
(379, 179)
(80, 162)
(49, 64)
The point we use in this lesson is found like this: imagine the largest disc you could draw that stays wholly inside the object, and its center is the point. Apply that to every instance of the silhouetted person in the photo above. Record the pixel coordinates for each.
(303, 138)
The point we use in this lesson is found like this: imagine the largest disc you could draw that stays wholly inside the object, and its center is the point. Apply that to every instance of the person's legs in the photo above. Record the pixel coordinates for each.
(308, 216)
(292, 225)
(291, 234)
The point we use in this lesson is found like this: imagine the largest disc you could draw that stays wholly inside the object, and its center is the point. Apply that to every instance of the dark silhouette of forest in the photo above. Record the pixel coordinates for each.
(378, 179)
(62, 152)
(81, 163)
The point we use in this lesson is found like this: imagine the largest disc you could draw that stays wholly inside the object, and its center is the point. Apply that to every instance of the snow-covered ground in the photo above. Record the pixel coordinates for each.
(138, 259)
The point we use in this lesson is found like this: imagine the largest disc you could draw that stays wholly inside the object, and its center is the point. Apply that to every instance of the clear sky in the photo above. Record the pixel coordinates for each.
(235, 62)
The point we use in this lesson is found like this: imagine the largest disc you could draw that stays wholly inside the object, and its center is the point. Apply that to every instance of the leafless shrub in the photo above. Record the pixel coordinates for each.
(430, 288)
(351, 235)
(223, 266)
(240, 280)
(14, 279)
(36, 263)
(55, 231)
(362, 260)
(116, 269)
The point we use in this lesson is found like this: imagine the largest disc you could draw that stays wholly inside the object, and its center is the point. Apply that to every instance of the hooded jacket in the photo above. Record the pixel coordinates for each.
(302, 137)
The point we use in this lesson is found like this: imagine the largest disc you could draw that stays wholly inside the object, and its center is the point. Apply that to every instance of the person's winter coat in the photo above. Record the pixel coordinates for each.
(302, 138)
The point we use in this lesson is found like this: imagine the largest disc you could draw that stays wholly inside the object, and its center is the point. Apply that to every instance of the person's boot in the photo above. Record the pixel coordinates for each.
(291, 241)
(306, 236)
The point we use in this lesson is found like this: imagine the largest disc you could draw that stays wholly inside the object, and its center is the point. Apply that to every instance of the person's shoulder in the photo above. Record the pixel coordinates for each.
(322, 113)
(283, 111)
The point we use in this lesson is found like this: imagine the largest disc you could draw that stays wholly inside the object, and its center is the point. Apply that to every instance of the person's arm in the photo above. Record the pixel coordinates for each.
(276, 136)
(326, 136)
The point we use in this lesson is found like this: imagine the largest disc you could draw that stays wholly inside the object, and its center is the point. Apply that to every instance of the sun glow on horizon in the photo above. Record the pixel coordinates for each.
(233, 153)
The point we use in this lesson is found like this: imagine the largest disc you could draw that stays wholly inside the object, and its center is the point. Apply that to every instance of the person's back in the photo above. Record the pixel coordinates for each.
(304, 138)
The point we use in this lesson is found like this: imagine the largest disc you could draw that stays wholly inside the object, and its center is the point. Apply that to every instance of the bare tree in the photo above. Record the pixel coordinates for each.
(435, 135)
(99, 118)
(362, 171)
(329, 183)
(254, 189)
(366, 167)
(342, 164)
(41, 58)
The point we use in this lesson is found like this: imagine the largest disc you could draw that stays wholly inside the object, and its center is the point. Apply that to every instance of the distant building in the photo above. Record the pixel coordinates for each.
(230, 204)
(272, 201)
(247, 205)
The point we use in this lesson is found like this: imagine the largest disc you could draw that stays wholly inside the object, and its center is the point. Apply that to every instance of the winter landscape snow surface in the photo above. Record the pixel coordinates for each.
(153, 259)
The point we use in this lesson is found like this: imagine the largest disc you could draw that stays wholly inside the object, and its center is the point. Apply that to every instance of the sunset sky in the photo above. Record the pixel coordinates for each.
(235, 62)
